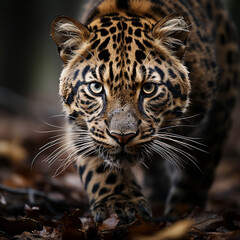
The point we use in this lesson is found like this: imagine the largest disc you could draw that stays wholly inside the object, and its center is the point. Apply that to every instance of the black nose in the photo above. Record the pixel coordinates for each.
(123, 138)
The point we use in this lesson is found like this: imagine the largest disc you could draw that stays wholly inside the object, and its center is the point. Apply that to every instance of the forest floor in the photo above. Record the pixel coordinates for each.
(35, 205)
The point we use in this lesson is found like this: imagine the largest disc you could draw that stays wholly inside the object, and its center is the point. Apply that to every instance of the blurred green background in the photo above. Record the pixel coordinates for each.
(29, 63)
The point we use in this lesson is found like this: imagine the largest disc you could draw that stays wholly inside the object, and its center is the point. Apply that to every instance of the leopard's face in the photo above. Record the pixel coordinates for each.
(121, 86)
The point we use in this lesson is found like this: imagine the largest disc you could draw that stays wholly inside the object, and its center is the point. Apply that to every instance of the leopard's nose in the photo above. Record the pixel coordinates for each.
(123, 139)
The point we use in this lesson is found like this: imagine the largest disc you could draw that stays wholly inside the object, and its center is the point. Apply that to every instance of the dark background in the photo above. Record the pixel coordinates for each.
(29, 63)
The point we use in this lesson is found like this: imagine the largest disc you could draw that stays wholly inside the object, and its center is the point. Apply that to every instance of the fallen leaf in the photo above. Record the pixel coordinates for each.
(206, 221)
(175, 231)
(17, 226)
(91, 230)
(141, 227)
(32, 212)
(3, 236)
(13, 151)
(232, 220)
(49, 233)
(72, 226)
(109, 223)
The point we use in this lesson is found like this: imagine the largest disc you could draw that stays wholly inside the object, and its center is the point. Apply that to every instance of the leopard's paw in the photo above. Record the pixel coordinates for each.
(125, 209)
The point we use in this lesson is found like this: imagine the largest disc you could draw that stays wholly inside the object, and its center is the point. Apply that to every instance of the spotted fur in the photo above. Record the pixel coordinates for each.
(151, 82)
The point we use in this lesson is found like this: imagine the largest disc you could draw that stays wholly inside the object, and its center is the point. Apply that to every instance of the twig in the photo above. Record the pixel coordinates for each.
(30, 192)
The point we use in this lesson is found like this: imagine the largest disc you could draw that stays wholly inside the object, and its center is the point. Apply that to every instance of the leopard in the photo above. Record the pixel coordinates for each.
(147, 84)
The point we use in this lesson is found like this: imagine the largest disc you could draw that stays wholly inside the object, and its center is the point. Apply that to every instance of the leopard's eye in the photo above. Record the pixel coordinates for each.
(149, 88)
(96, 88)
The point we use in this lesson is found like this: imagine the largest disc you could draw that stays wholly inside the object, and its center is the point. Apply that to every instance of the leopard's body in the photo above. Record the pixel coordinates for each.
(143, 79)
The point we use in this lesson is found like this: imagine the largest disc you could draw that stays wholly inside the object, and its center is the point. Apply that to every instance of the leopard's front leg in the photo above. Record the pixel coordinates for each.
(112, 191)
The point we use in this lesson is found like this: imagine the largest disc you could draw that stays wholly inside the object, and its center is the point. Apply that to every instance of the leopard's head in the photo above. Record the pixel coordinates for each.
(123, 79)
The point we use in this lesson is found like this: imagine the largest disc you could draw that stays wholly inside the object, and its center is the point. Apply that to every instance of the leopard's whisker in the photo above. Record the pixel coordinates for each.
(75, 134)
(186, 154)
(56, 153)
(186, 145)
(177, 126)
(84, 153)
(181, 152)
(52, 125)
(144, 164)
(184, 137)
(184, 118)
(59, 115)
(61, 150)
(67, 162)
(147, 152)
(167, 154)
(49, 131)
(43, 149)
(52, 143)
(187, 141)
(62, 168)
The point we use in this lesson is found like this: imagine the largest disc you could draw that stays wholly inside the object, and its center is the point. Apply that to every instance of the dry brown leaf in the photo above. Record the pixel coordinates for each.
(206, 221)
(49, 233)
(141, 227)
(109, 223)
(16, 180)
(175, 231)
(3, 237)
(72, 226)
(17, 226)
(32, 212)
(13, 151)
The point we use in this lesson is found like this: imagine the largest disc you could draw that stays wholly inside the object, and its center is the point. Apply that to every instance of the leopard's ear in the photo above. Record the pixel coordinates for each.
(172, 31)
(69, 35)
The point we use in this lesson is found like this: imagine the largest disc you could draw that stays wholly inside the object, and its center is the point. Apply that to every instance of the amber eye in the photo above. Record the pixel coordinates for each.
(96, 87)
(149, 88)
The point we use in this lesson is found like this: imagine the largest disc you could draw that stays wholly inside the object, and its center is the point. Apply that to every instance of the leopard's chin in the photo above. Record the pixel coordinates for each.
(122, 159)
